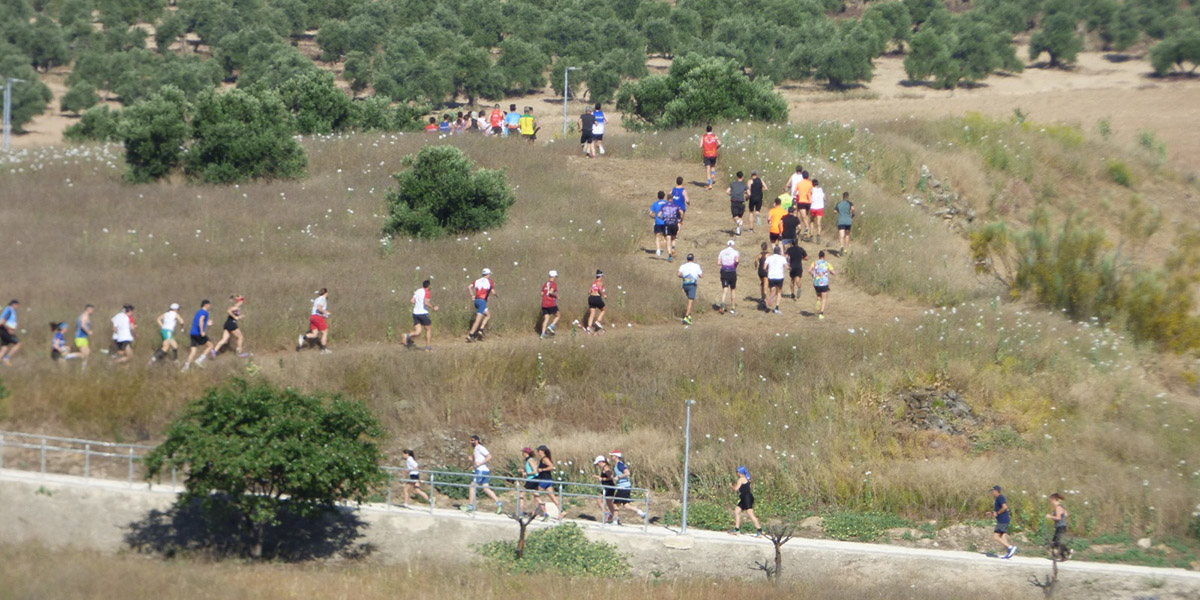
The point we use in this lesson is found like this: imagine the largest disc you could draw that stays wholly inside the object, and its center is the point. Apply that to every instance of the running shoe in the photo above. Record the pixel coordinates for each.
(499, 508)
(776, 311)
(687, 320)
(429, 348)
(658, 252)
(326, 351)
(1011, 551)
(821, 316)
(299, 342)
(738, 230)
(243, 355)
(670, 258)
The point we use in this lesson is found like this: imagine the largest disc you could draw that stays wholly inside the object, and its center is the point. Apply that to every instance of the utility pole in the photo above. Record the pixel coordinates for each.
(566, 88)
(687, 451)
(4, 141)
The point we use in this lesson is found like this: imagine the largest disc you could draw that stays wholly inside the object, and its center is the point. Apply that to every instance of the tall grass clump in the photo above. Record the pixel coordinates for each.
(563, 549)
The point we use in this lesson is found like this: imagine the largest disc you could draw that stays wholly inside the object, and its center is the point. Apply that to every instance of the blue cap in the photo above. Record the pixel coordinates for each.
(744, 472)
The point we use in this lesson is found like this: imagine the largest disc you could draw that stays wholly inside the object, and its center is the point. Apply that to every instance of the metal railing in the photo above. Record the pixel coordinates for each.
(558, 489)
(44, 445)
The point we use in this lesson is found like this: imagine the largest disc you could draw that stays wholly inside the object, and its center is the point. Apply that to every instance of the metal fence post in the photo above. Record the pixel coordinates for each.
(390, 483)
(174, 485)
(131, 465)
(432, 491)
(1, 452)
(43, 458)
(562, 508)
(646, 517)
(87, 461)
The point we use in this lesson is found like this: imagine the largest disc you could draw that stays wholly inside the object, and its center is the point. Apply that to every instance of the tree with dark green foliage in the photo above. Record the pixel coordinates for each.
(921, 10)
(602, 79)
(1176, 51)
(1121, 31)
(662, 38)
(169, 30)
(154, 131)
(271, 63)
(404, 73)
(372, 114)
(699, 90)
(523, 65)
(474, 75)
(1058, 39)
(255, 451)
(97, 124)
(47, 45)
(443, 193)
(357, 71)
(242, 135)
(316, 102)
(29, 97)
(891, 19)
(845, 60)
(79, 98)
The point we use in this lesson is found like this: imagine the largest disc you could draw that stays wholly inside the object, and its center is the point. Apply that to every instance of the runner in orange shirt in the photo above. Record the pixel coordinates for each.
(709, 144)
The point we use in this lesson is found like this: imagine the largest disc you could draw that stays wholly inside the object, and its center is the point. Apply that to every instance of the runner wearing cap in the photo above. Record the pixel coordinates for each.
(1003, 517)
(318, 325)
(482, 290)
(690, 273)
(727, 261)
(596, 297)
(167, 322)
(420, 316)
(232, 327)
(624, 487)
(550, 305)
(745, 502)
(608, 490)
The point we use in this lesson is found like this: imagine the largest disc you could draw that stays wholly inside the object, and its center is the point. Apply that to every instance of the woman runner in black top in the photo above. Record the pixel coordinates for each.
(745, 502)
(233, 317)
(760, 263)
(605, 501)
(757, 187)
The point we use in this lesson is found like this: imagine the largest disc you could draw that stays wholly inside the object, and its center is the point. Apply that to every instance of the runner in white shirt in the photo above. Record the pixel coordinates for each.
(482, 475)
(318, 324)
(776, 266)
(817, 210)
(727, 261)
(420, 314)
(795, 180)
(690, 273)
(414, 478)
(122, 324)
(167, 322)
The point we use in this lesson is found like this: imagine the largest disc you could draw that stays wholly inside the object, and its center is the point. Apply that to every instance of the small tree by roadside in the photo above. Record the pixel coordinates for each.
(779, 534)
(256, 451)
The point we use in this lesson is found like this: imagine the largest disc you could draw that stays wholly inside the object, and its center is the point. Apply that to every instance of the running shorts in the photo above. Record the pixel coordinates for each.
(422, 320)
(794, 273)
(81, 342)
(550, 310)
(596, 302)
(622, 496)
(690, 290)
(818, 212)
(121, 346)
(585, 137)
(775, 237)
(710, 161)
(843, 228)
(660, 229)
(737, 209)
(8, 338)
(775, 283)
(166, 334)
(199, 340)
(231, 324)
(804, 206)
(729, 279)
(481, 306)
(317, 322)
(672, 230)
(821, 289)
(755, 204)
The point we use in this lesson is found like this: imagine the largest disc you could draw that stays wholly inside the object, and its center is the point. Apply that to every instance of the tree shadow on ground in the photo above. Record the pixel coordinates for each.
(184, 530)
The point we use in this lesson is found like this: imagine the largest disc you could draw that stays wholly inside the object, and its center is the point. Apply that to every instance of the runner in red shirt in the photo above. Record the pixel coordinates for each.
(550, 305)
(596, 297)
(432, 127)
(496, 120)
(709, 144)
(482, 290)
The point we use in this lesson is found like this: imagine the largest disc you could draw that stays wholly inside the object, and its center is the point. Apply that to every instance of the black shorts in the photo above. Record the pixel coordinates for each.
(796, 273)
(660, 229)
(775, 283)
(8, 338)
(414, 477)
(597, 137)
(672, 230)
(55, 354)
(775, 237)
(804, 206)
(745, 501)
(531, 484)
(585, 137)
(755, 204)
(843, 228)
(737, 209)
(231, 325)
(199, 340)
(549, 310)
(422, 320)
(596, 302)
(1001, 528)
(610, 492)
(762, 274)
(710, 161)
(496, 130)
(121, 346)
(729, 279)
(622, 496)
(821, 289)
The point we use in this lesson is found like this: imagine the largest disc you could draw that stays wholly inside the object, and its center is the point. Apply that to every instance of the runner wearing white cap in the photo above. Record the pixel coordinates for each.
(609, 490)
(550, 305)
(727, 261)
(166, 327)
(482, 290)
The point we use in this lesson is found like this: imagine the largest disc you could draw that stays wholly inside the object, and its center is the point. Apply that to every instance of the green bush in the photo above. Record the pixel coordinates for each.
(371, 114)
(442, 193)
(154, 132)
(563, 549)
(1176, 50)
(79, 98)
(864, 527)
(97, 124)
(30, 97)
(700, 90)
(1119, 172)
(317, 104)
(1057, 38)
(242, 135)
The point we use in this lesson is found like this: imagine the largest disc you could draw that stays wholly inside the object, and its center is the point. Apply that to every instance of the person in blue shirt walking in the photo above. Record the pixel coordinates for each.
(598, 129)
(9, 342)
(1003, 518)
(201, 321)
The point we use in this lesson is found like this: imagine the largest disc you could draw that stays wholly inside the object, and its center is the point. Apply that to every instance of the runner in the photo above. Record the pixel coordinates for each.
(821, 270)
(9, 342)
(757, 187)
(199, 335)
(550, 305)
(414, 475)
(624, 488)
(167, 322)
(598, 129)
(760, 265)
(529, 464)
(122, 325)
(83, 334)
(660, 228)
(1003, 518)
(528, 126)
(545, 475)
(745, 502)
(796, 257)
(512, 121)
(420, 316)
(232, 327)
(608, 490)
(671, 215)
(58, 345)
(587, 121)
(481, 475)
(318, 324)
(596, 297)
(496, 119)
(690, 273)
(817, 209)
(794, 180)
(482, 290)
(738, 192)
(727, 261)
(845, 218)
(803, 197)
(776, 266)
(791, 224)
(679, 197)
(775, 217)
(1058, 514)
(709, 145)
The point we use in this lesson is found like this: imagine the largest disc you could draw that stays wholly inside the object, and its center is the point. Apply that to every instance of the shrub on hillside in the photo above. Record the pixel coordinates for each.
(700, 90)
(442, 193)
(30, 97)
(242, 135)
(154, 131)
(317, 104)
(97, 124)
(79, 98)
(563, 549)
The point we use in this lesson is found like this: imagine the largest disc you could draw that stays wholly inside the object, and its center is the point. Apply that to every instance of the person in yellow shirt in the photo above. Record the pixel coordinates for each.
(775, 216)
(528, 125)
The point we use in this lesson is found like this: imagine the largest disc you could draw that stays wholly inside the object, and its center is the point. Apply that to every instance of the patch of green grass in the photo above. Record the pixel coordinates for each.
(863, 527)
(1119, 172)
(563, 549)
